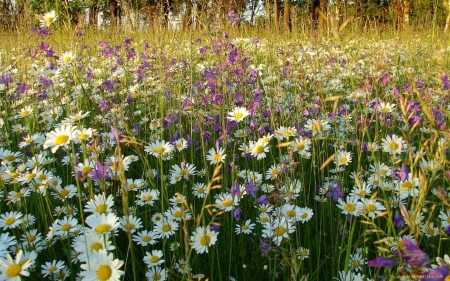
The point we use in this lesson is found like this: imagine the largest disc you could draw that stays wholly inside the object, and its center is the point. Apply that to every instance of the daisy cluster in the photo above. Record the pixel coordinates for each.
(135, 159)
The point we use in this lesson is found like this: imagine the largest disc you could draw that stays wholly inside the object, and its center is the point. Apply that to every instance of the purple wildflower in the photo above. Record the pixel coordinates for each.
(237, 214)
(412, 254)
(251, 188)
(402, 174)
(100, 172)
(382, 262)
(335, 192)
(103, 105)
(437, 274)
(398, 221)
(262, 200)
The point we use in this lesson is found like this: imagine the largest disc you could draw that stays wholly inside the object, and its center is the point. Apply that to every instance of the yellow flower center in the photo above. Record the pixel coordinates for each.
(205, 240)
(52, 269)
(244, 227)
(200, 190)
(264, 219)
(10, 157)
(393, 146)
(83, 136)
(290, 213)
(101, 208)
(159, 149)
(67, 59)
(9, 221)
(60, 275)
(104, 272)
(31, 238)
(217, 157)
(132, 186)
(62, 139)
(18, 195)
(303, 253)
(13, 270)
(146, 238)
(25, 113)
(430, 231)
(156, 276)
(178, 214)
(166, 228)
(238, 115)
(183, 172)
(371, 208)
(102, 228)
(304, 215)
(96, 246)
(66, 227)
(154, 259)
(406, 185)
(128, 226)
(227, 203)
(279, 231)
(317, 127)
(300, 147)
(259, 149)
(49, 20)
(343, 160)
(349, 207)
(63, 193)
(356, 263)
(148, 198)
(86, 170)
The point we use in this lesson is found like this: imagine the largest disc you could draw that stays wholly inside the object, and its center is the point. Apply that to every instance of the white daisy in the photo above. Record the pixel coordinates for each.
(203, 238)
(102, 266)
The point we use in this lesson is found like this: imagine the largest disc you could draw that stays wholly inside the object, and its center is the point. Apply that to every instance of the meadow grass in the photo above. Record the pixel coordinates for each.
(227, 156)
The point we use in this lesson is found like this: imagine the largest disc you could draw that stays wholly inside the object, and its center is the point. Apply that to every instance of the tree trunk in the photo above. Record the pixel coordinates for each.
(268, 10)
(113, 12)
(275, 16)
(187, 17)
(406, 11)
(287, 15)
(447, 9)
(93, 14)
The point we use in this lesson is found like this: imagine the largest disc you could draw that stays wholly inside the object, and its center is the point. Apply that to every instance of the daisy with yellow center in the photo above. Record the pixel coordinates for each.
(103, 224)
(60, 137)
(10, 220)
(393, 144)
(67, 58)
(302, 253)
(156, 274)
(47, 19)
(145, 238)
(226, 202)
(278, 229)
(12, 269)
(154, 258)
(351, 206)
(238, 114)
(100, 204)
(216, 156)
(203, 238)
(103, 267)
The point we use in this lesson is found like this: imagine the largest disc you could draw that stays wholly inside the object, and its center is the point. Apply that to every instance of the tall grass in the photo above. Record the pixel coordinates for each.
(319, 112)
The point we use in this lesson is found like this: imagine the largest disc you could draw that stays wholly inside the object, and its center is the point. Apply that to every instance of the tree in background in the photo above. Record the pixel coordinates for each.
(208, 14)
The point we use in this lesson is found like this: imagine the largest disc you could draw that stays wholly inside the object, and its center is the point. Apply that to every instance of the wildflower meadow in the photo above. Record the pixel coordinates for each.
(223, 156)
